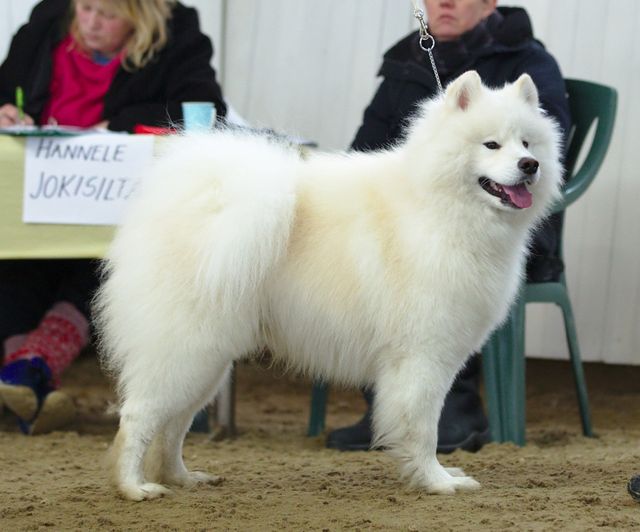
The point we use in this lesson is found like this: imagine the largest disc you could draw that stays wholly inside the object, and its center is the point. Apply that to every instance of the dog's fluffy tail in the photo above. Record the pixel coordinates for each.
(241, 244)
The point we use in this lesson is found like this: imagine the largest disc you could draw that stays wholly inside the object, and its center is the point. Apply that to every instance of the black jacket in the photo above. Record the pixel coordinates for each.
(504, 49)
(151, 95)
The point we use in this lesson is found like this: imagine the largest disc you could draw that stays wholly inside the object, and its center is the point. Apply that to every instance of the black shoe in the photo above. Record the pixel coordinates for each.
(466, 432)
(633, 487)
(355, 437)
(463, 424)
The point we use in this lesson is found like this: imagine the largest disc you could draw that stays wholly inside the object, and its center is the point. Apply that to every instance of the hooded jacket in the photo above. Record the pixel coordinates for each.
(151, 95)
(500, 49)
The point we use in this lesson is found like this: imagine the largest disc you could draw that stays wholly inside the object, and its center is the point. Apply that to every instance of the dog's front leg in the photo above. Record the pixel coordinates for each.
(410, 393)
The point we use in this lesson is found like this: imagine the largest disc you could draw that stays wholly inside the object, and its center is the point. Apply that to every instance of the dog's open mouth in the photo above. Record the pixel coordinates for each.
(516, 196)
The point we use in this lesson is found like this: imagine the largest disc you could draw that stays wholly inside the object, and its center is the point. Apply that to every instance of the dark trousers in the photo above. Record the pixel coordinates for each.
(544, 263)
(28, 288)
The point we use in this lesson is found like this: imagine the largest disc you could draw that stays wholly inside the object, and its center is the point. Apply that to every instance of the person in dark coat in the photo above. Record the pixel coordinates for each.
(499, 44)
(87, 63)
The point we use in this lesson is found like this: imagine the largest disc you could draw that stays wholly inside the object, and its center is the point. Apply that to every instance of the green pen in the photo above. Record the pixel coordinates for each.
(20, 103)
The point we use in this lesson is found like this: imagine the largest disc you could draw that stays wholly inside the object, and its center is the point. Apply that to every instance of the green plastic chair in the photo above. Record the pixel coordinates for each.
(503, 356)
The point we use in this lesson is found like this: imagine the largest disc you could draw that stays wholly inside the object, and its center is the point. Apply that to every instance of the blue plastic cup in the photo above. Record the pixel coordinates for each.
(198, 116)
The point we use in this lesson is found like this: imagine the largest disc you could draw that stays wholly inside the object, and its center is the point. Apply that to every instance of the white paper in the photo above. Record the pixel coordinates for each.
(84, 179)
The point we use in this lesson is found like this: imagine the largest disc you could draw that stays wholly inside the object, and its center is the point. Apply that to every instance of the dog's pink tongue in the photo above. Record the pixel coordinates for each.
(519, 195)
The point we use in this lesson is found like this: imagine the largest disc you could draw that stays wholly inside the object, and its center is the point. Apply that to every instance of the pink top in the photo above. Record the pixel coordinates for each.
(78, 86)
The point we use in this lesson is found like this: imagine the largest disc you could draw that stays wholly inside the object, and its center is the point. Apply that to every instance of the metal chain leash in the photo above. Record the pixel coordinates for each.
(427, 42)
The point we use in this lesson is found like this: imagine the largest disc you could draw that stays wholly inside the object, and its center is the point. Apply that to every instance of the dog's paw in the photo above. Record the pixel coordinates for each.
(452, 485)
(142, 492)
(433, 478)
(189, 479)
(194, 478)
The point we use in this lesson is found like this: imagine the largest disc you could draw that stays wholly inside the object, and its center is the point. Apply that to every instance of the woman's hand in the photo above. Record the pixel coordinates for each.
(10, 116)
(102, 125)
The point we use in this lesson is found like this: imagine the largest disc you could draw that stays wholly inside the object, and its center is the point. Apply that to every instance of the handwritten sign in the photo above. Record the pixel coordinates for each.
(85, 179)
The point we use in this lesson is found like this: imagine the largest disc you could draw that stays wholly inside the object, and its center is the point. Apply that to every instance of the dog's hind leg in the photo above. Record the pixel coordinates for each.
(137, 430)
(165, 462)
(409, 398)
(159, 407)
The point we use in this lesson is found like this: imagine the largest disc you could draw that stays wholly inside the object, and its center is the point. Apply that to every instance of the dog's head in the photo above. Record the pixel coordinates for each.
(495, 146)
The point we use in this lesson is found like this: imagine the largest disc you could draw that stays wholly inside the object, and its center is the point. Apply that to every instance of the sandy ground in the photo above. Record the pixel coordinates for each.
(278, 479)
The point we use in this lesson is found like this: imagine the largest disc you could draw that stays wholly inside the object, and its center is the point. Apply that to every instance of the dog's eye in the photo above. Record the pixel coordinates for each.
(525, 143)
(492, 145)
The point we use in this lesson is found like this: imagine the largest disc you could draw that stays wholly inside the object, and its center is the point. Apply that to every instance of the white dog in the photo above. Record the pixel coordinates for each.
(384, 269)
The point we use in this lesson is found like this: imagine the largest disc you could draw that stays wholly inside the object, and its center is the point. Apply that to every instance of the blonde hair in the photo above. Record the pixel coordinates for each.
(148, 18)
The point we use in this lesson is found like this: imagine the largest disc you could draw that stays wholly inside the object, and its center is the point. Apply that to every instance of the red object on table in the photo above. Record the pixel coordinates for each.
(141, 129)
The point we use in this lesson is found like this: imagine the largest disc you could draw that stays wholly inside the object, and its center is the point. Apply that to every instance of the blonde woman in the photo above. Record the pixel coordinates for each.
(112, 63)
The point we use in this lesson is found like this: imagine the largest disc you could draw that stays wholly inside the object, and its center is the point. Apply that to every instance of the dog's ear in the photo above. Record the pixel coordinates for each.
(461, 93)
(527, 90)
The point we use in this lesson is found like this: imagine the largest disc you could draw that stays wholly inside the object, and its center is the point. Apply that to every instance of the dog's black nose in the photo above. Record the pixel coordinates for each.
(528, 165)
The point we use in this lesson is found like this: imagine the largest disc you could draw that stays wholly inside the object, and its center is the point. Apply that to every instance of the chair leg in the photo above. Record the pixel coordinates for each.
(491, 374)
(318, 408)
(518, 373)
(225, 407)
(576, 363)
(223, 410)
(504, 370)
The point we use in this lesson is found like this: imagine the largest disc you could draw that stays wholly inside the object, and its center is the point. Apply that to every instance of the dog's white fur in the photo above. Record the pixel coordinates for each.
(384, 269)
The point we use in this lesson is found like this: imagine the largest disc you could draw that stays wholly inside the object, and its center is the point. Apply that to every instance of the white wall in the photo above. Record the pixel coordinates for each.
(14, 13)
(309, 68)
